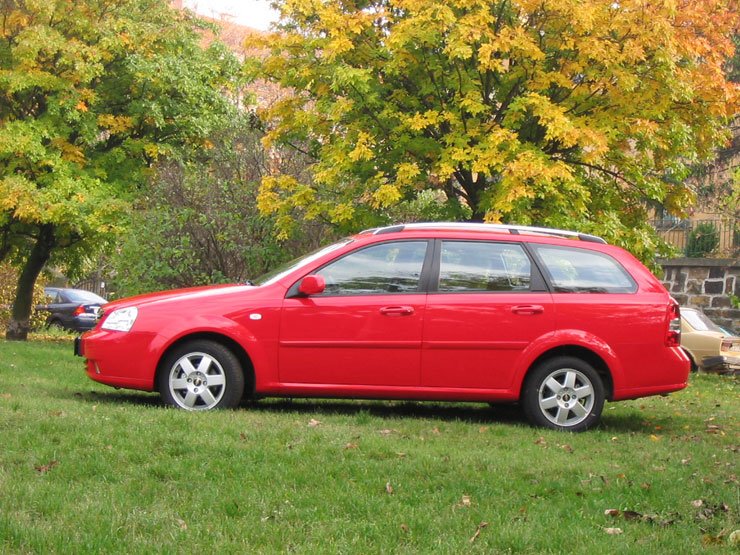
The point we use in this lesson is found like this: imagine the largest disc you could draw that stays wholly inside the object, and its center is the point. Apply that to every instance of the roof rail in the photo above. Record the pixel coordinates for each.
(513, 229)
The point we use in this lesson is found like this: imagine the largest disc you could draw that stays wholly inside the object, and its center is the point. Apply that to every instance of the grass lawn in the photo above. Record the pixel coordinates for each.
(86, 468)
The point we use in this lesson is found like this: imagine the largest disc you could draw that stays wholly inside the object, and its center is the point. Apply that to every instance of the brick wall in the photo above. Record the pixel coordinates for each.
(706, 284)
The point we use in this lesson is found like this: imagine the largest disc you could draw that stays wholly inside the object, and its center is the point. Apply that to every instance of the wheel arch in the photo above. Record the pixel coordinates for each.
(583, 353)
(239, 352)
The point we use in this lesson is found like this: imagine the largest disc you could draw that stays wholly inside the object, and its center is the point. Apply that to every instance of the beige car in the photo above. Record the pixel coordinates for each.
(709, 347)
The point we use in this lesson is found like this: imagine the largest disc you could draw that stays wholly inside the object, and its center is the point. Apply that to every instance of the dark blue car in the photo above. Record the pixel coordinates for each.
(74, 309)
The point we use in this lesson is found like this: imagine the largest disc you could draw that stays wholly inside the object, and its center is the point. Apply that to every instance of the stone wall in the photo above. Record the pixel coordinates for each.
(706, 284)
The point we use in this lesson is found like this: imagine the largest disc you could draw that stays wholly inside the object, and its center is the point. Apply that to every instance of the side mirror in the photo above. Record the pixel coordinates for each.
(312, 285)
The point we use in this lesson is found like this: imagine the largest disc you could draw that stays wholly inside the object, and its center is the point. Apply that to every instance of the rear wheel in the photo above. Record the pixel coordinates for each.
(201, 375)
(563, 393)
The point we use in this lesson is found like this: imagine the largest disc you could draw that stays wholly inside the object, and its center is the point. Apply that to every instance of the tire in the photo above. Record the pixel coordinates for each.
(694, 367)
(201, 375)
(563, 393)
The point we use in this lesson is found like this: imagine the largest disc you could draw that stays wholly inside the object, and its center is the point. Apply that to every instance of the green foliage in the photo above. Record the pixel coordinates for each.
(556, 112)
(703, 240)
(199, 224)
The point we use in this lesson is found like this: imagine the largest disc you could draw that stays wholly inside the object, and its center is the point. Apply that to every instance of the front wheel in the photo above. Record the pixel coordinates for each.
(201, 375)
(563, 393)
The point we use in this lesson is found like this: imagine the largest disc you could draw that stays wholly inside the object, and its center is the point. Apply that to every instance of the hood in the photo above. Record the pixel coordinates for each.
(191, 293)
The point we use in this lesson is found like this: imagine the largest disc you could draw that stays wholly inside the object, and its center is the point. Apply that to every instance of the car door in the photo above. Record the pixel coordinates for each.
(365, 328)
(487, 305)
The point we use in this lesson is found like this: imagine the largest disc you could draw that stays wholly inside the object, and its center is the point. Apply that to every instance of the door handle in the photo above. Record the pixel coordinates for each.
(397, 310)
(528, 309)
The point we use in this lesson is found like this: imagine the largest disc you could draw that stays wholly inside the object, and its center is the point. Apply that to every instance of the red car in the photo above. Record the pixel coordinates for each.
(555, 320)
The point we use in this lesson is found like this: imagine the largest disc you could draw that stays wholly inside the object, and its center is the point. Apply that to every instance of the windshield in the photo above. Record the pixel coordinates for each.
(698, 321)
(281, 271)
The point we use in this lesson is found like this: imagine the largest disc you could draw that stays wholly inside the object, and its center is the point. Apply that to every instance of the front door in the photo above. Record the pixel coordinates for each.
(366, 327)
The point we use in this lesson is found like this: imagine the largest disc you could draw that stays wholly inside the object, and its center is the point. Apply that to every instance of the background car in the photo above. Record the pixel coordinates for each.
(73, 309)
(709, 347)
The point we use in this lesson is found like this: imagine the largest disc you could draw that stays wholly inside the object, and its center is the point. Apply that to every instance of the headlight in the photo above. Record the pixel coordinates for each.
(121, 319)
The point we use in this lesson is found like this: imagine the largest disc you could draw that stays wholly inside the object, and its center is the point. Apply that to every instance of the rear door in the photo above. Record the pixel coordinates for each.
(487, 303)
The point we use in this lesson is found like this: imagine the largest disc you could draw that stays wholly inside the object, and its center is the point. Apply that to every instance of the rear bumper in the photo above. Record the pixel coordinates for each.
(721, 363)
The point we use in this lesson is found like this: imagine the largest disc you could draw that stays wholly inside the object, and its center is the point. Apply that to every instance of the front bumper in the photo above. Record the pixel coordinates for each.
(119, 359)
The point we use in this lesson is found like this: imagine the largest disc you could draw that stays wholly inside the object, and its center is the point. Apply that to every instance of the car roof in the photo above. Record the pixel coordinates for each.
(483, 227)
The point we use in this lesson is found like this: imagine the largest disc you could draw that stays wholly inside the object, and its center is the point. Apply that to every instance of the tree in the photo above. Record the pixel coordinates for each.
(93, 94)
(199, 224)
(578, 114)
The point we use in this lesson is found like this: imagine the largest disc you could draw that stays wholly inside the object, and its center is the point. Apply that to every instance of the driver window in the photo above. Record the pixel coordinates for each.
(379, 269)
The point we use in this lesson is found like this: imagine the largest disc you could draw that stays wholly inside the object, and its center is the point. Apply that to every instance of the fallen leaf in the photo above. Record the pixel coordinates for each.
(631, 515)
(477, 531)
(613, 531)
(734, 538)
(436, 431)
(686, 461)
(243, 436)
(313, 423)
(653, 437)
(567, 448)
(645, 485)
(44, 468)
(697, 503)
(540, 441)
(401, 455)
(351, 445)
(405, 528)
(482, 429)
(5, 395)
(388, 488)
(612, 512)
(385, 432)
(464, 502)
(181, 524)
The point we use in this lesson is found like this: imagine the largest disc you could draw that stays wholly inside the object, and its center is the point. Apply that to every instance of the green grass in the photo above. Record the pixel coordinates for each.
(86, 468)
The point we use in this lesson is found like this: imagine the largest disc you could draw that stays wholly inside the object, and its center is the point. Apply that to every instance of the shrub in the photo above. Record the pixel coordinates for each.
(8, 284)
(703, 239)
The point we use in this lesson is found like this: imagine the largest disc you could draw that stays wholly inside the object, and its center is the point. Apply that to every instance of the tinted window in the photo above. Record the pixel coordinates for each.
(698, 321)
(483, 266)
(583, 271)
(385, 268)
(80, 296)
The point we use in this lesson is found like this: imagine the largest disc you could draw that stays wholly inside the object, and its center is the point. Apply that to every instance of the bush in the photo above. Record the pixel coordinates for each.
(8, 284)
(703, 239)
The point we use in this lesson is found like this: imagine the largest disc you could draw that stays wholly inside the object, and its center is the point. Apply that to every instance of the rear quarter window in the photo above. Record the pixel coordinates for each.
(573, 270)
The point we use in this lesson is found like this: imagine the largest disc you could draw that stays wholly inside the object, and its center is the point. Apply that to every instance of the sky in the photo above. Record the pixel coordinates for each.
(253, 13)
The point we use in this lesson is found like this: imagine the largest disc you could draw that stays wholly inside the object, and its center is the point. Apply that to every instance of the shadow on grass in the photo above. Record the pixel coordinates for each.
(467, 412)
(474, 413)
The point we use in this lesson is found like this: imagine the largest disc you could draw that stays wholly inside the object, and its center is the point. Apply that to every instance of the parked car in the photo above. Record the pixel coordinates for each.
(556, 320)
(709, 346)
(73, 309)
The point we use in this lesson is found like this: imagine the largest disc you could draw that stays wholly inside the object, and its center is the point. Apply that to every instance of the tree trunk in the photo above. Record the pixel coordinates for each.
(20, 317)
(474, 187)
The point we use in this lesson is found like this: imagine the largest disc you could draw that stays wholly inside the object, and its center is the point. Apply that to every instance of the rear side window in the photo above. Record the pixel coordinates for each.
(583, 271)
(468, 266)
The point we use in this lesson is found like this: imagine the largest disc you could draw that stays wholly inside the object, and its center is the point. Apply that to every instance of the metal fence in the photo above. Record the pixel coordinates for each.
(701, 238)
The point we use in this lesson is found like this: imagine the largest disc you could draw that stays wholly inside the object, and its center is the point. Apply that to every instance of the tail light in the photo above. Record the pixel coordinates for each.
(79, 310)
(673, 320)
